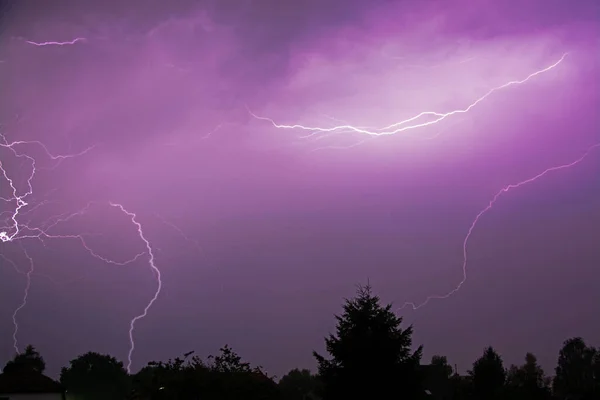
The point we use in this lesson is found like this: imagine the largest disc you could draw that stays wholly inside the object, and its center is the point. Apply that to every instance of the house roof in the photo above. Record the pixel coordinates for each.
(28, 382)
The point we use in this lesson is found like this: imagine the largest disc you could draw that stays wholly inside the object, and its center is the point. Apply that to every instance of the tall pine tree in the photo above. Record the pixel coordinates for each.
(371, 356)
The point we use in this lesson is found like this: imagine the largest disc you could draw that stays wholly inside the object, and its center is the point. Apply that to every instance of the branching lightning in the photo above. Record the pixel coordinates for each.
(411, 124)
(158, 279)
(481, 213)
(13, 229)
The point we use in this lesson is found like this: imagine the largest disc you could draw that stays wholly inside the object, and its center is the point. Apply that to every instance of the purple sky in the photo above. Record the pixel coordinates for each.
(281, 227)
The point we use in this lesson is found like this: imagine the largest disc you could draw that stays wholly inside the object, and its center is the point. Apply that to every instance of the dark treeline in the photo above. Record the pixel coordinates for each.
(370, 356)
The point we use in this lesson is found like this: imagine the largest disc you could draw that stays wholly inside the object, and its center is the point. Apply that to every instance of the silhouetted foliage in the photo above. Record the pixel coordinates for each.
(96, 376)
(441, 362)
(226, 377)
(181, 378)
(436, 377)
(460, 387)
(237, 379)
(371, 355)
(28, 361)
(228, 362)
(528, 381)
(576, 373)
(299, 385)
(488, 376)
(370, 358)
(596, 371)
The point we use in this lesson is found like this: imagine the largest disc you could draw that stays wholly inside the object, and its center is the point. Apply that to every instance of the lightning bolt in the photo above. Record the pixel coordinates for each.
(23, 302)
(410, 123)
(71, 42)
(481, 213)
(20, 199)
(15, 230)
(158, 279)
(413, 123)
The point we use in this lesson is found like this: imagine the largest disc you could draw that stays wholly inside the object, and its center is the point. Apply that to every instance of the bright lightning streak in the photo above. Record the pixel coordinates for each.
(158, 279)
(488, 208)
(23, 302)
(20, 199)
(71, 42)
(409, 123)
(16, 230)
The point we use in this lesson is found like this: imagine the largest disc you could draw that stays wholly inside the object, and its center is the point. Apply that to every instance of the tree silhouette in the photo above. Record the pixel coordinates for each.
(488, 376)
(299, 385)
(436, 377)
(235, 379)
(370, 357)
(229, 361)
(441, 362)
(96, 376)
(596, 371)
(528, 381)
(371, 354)
(180, 378)
(28, 361)
(574, 377)
(460, 387)
(227, 377)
